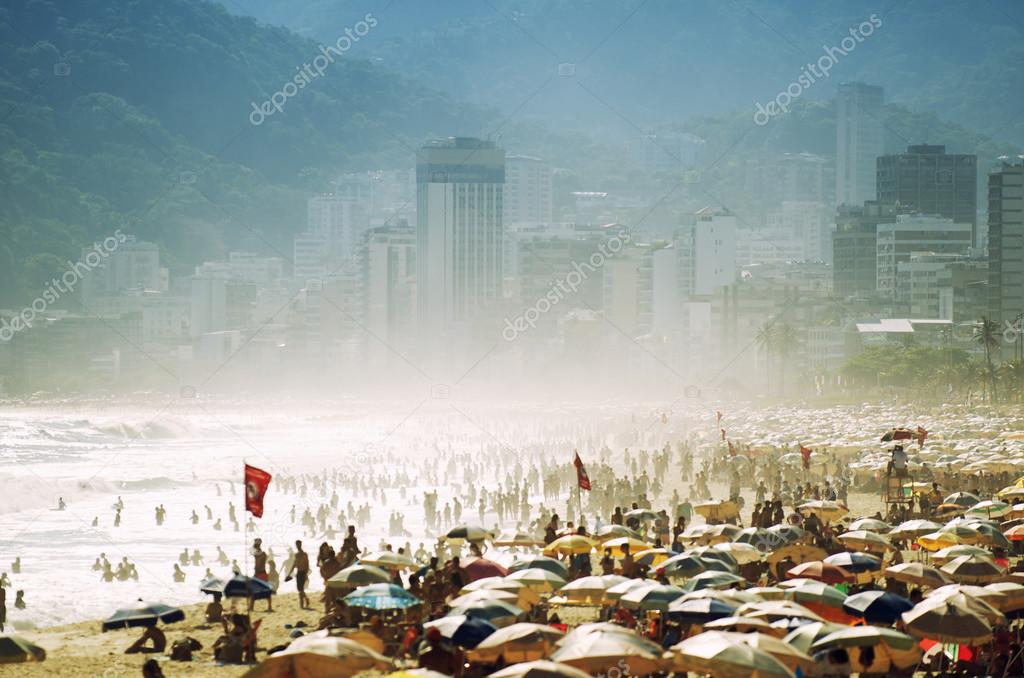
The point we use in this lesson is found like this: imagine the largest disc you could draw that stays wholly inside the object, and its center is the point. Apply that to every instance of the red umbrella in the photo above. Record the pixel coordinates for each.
(480, 568)
(821, 571)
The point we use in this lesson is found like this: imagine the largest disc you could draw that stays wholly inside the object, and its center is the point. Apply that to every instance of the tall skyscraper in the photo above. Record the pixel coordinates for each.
(859, 141)
(459, 232)
(928, 180)
(1006, 242)
(527, 197)
(706, 246)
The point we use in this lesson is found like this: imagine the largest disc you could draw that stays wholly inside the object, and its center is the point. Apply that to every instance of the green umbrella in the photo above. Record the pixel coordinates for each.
(15, 649)
(381, 597)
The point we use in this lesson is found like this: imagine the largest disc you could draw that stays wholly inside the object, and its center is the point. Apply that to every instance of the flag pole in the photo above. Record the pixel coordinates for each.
(245, 542)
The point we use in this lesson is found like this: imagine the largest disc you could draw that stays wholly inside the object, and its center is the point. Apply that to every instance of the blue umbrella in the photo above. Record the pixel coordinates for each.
(877, 607)
(855, 562)
(462, 630)
(143, 614)
(699, 610)
(238, 586)
(381, 597)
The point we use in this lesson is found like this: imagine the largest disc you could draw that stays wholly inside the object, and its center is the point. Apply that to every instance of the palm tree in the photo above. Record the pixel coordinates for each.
(786, 341)
(1012, 374)
(986, 333)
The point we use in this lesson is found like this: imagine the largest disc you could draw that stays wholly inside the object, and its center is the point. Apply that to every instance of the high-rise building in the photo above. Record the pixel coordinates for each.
(915, 233)
(707, 251)
(340, 222)
(928, 180)
(527, 197)
(389, 289)
(1006, 242)
(459, 232)
(859, 141)
(132, 265)
(628, 289)
(855, 247)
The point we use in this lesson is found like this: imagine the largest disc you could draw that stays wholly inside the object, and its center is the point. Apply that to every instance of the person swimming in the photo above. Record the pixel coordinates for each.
(61, 505)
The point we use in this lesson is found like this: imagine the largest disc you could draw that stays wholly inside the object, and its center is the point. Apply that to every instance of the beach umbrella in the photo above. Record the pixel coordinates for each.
(595, 652)
(481, 568)
(730, 596)
(1012, 492)
(470, 533)
(872, 525)
(540, 669)
(388, 560)
(863, 540)
(767, 592)
(991, 535)
(485, 595)
(824, 509)
(713, 580)
(612, 531)
(700, 610)
(914, 528)
(542, 562)
(326, 657)
(1015, 533)
(590, 589)
(877, 607)
(17, 650)
(787, 534)
(1012, 592)
(716, 509)
(717, 534)
(654, 597)
(917, 574)
(723, 656)
(804, 635)
(381, 597)
(525, 597)
(743, 554)
(973, 569)
(950, 552)
(936, 541)
(797, 553)
(462, 630)
(715, 557)
(497, 612)
(855, 562)
(892, 648)
(821, 571)
(964, 532)
(635, 545)
(416, 673)
(642, 514)
(990, 596)
(653, 557)
(522, 642)
(989, 509)
(570, 544)
(774, 610)
(816, 592)
(517, 539)
(948, 621)
(962, 499)
(685, 565)
(742, 625)
(614, 593)
(238, 586)
(538, 579)
(604, 627)
(758, 537)
(143, 614)
(792, 657)
(358, 575)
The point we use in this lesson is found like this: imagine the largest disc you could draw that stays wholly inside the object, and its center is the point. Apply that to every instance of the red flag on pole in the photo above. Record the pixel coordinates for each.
(256, 483)
(581, 473)
(805, 452)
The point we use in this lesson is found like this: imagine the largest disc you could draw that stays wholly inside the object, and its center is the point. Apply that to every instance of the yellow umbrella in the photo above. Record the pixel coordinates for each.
(936, 541)
(590, 589)
(717, 509)
(570, 544)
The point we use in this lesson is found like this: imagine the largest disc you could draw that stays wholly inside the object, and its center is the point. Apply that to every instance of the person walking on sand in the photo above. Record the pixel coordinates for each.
(300, 566)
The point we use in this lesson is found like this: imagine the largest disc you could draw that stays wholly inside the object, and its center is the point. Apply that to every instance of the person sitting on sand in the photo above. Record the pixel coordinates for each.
(151, 633)
(151, 669)
(214, 611)
(230, 646)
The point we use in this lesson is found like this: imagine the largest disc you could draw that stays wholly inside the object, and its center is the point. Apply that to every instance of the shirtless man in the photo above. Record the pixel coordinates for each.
(300, 566)
(260, 567)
